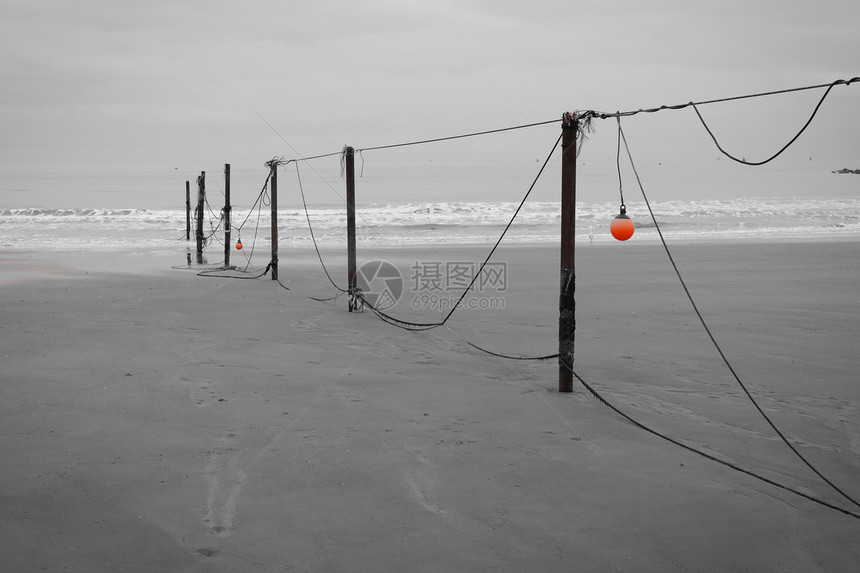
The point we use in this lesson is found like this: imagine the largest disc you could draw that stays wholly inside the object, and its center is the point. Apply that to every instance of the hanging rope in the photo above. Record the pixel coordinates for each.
(618, 164)
(260, 197)
(313, 238)
(261, 200)
(714, 340)
(407, 325)
(449, 138)
(778, 153)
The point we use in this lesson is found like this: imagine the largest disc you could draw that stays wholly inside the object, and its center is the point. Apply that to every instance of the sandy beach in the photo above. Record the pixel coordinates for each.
(155, 420)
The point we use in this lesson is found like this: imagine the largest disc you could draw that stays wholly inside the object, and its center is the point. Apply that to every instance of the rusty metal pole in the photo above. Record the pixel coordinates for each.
(188, 210)
(273, 191)
(566, 302)
(188, 221)
(227, 210)
(349, 152)
(201, 198)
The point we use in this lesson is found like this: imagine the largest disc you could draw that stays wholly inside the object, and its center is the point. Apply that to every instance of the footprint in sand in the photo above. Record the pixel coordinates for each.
(199, 391)
(425, 357)
(421, 485)
(224, 480)
(309, 323)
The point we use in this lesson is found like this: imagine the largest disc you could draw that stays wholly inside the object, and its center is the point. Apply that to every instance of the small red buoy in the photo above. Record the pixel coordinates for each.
(239, 245)
(622, 226)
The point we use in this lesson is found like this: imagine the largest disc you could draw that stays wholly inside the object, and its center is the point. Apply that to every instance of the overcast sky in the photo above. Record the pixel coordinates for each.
(178, 81)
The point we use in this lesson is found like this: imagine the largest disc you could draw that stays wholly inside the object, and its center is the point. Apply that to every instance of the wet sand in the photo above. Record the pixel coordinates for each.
(156, 420)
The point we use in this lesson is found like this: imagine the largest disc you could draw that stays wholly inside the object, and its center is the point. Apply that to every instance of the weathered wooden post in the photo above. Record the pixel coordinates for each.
(566, 303)
(188, 210)
(349, 152)
(201, 198)
(273, 191)
(227, 210)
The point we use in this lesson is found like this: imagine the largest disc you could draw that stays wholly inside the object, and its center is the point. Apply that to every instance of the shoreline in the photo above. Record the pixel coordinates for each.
(152, 259)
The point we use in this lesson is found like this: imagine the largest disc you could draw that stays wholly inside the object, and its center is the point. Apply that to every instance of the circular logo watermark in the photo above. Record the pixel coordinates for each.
(381, 284)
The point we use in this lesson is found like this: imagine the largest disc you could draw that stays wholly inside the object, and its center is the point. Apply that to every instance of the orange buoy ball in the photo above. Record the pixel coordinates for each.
(239, 245)
(622, 226)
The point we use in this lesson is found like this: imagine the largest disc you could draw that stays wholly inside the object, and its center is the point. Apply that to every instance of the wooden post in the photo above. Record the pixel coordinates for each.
(566, 303)
(274, 195)
(350, 226)
(201, 198)
(188, 210)
(227, 210)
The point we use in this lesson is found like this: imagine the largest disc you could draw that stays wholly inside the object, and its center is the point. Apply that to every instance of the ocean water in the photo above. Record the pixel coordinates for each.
(119, 208)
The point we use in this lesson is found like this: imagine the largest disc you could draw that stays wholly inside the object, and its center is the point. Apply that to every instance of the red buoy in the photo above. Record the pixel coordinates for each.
(239, 245)
(622, 226)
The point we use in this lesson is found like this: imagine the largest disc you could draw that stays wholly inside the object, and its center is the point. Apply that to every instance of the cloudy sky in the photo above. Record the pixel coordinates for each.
(178, 81)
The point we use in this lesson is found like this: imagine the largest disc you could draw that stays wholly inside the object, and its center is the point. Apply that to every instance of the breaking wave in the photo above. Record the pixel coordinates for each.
(434, 223)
